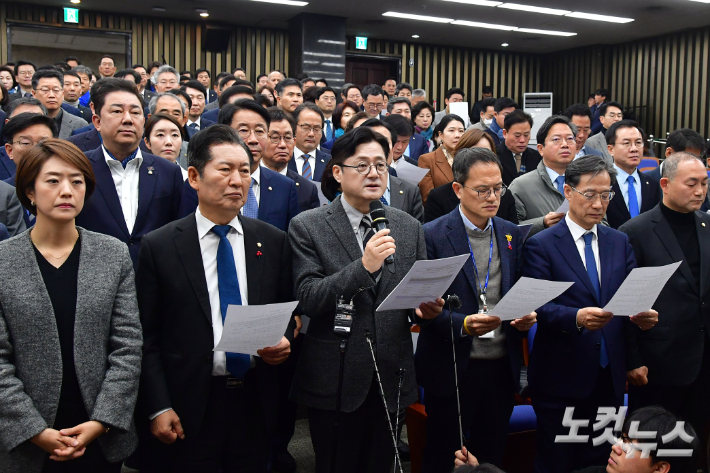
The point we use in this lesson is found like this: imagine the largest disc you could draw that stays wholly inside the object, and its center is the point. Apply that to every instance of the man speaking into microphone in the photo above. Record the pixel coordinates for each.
(337, 252)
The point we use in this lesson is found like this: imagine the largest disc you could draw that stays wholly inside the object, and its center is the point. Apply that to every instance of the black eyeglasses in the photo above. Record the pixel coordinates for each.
(484, 194)
(364, 168)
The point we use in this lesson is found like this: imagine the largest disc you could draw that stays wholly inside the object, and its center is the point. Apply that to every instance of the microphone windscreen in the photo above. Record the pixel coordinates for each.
(377, 211)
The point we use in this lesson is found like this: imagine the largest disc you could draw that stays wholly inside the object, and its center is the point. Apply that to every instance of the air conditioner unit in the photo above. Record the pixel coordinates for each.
(539, 106)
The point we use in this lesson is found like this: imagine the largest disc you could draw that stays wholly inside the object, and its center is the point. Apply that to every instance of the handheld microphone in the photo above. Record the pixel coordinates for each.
(380, 222)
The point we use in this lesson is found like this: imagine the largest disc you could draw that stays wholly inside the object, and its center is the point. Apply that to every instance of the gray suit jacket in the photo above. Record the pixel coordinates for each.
(438, 116)
(535, 196)
(107, 349)
(11, 210)
(598, 142)
(69, 124)
(327, 263)
(406, 197)
(212, 105)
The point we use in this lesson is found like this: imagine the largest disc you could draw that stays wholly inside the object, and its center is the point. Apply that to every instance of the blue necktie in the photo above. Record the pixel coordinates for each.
(328, 130)
(251, 208)
(594, 277)
(193, 126)
(633, 199)
(237, 363)
(560, 183)
(28, 95)
(383, 200)
(306, 171)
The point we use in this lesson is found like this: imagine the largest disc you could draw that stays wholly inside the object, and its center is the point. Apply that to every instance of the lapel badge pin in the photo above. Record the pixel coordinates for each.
(150, 169)
(259, 245)
(509, 238)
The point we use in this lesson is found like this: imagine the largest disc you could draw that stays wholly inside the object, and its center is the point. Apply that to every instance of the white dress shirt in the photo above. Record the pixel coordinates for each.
(578, 237)
(198, 121)
(581, 152)
(621, 179)
(256, 175)
(297, 153)
(209, 243)
(126, 182)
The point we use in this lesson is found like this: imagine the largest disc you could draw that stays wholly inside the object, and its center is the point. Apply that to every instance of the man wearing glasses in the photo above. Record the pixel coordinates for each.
(374, 100)
(609, 113)
(579, 356)
(488, 352)
(48, 88)
(637, 192)
(24, 70)
(308, 161)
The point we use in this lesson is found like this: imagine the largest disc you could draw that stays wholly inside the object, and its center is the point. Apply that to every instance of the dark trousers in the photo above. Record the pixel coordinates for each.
(286, 425)
(232, 437)
(690, 402)
(486, 405)
(565, 457)
(91, 461)
(364, 441)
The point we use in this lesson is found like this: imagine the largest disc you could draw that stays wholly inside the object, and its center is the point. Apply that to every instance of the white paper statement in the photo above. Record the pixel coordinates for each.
(461, 109)
(425, 282)
(248, 328)
(410, 173)
(640, 290)
(526, 296)
(564, 208)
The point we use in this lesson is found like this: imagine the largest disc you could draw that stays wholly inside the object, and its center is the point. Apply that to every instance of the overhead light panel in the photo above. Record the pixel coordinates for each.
(476, 24)
(480, 3)
(292, 3)
(409, 16)
(593, 16)
(532, 9)
(505, 45)
(547, 32)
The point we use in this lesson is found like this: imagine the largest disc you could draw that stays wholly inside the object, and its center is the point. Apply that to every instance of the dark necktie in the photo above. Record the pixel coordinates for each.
(251, 208)
(633, 199)
(193, 126)
(594, 277)
(383, 200)
(367, 231)
(560, 183)
(237, 363)
(518, 161)
(306, 171)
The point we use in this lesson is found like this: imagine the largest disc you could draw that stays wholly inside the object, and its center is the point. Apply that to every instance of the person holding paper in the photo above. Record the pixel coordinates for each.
(488, 352)
(670, 364)
(453, 95)
(579, 355)
(336, 252)
(210, 411)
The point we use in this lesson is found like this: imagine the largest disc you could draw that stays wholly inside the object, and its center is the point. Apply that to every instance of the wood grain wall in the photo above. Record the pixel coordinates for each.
(180, 42)
(438, 68)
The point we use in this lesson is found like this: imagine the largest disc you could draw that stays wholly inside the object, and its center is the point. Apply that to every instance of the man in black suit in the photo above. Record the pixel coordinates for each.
(515, 156)
(198, 96)
(72, 94)
(277, 154)
(309, 161)
(211, 411)
(203, 76)
(669, 365)
(24, 70)
(635, 192)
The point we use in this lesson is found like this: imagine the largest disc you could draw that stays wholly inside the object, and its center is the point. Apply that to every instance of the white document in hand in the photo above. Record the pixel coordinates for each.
(461, 109)
(248, 328)
(425, 282)
(526, 296)
(640, 289)
(564, 208)
(410, 173)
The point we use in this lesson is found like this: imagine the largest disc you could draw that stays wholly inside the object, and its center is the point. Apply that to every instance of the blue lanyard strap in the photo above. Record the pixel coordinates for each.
(490, 259)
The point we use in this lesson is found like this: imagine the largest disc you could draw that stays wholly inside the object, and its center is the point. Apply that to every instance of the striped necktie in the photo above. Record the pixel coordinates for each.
(306, 171)
(366, 230)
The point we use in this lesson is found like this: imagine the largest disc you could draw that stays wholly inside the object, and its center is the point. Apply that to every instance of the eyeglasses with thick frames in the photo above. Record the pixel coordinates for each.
(308, 128)
(486, 193)
(364, 168)
(592, 196)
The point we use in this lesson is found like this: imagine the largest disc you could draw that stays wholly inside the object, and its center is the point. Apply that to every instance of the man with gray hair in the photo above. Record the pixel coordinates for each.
(275, 77)
(418, 95)
(670, 366)
(165, 78)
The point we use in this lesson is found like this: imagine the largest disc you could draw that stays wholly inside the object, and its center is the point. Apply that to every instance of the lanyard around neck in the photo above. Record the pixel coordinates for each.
(484, 288)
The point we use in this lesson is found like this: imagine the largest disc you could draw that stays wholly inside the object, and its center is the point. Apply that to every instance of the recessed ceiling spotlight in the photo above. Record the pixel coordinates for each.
(160, 9)
(505, 45)
(204, 14)
(415, 36)
(75, 1)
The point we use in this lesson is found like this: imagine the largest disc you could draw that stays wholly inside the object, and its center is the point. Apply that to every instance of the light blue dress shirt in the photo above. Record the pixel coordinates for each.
(621, 179)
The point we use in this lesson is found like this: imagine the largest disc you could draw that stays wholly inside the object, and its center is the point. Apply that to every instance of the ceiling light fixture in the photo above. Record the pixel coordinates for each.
(593, 16)
(409, 16)
(480, 3)
(75, 1)
(476, 24)
(204, 14)
(547, 32)
(532, 9)
(505, 45)
(158, 9)
(291, 3)
(415, 36)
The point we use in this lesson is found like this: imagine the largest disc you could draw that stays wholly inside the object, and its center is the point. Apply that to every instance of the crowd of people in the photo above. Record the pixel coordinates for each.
(137, 205)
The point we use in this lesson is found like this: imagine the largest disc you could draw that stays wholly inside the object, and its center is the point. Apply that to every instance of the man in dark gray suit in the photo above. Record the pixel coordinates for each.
(337, 253)
(11, 210)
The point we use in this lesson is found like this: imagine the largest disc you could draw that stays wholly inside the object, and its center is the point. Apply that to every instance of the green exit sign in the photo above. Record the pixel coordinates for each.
(360, 42)
(71, 15)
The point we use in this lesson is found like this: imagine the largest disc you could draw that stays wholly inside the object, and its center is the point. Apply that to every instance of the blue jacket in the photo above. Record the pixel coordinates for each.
(278, 201)
(306, 190)
(81, 130)
(210, 115)
(160, 190)
(446, 237)
(417, 146)
(7, 165)
(563, 356)
(322, 159)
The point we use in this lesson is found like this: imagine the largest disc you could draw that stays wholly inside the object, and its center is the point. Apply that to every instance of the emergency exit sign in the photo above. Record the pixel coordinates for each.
(71, 15)
(360, 42)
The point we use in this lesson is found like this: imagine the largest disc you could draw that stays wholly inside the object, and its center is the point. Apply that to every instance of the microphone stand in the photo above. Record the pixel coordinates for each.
(342, 325)
(455, 303)
(396, 426)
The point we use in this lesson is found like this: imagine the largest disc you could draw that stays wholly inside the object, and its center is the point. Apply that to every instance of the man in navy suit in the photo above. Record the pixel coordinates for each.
(308, 161)
(488, 352)
(272, 197)
(581, 116)
(417, 143)
(136, 192)
(229, 95)
(635, 193)
(579, 356)
(198, 96)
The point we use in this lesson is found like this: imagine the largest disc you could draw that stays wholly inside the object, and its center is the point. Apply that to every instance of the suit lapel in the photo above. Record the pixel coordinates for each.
(647, 192)
(459, 242)
(264, 197)
(292, 164)
(508, 161)
(340, 224)
(670, 242)
(148, 177)
(704, 241)
(504, 254)
(569, 252)
(618, 201)
(253, 242)
(107, 188)
(188, 246)
(320, 165)
(396, 199)
(606, 263)
(443, 165)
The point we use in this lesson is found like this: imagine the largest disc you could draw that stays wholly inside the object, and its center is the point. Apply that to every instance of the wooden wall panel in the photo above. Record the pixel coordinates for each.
(438, 68)
(256, 50)
(664, 79)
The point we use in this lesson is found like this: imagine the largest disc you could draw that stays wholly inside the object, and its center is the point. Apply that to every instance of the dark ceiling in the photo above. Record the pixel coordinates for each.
(364, 18)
